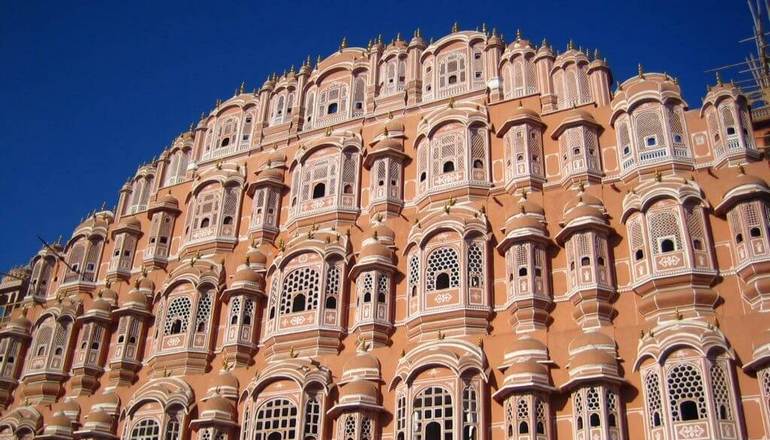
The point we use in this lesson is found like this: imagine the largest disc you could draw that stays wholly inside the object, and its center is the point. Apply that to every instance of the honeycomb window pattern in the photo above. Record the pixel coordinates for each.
(685, 384)
(302, 281)
(276, 416)
(442, 261)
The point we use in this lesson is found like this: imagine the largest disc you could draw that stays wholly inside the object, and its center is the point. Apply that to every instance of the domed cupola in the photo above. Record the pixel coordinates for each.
(584, 235)
(374, 273)
(360, 401)
(727, 114)
(525, 247)
(245, 297)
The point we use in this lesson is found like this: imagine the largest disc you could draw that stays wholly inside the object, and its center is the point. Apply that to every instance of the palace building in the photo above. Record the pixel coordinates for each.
(460, 239)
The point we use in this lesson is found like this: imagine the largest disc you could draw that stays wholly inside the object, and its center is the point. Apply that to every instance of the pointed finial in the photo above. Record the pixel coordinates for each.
(398, 36)
(484, 28)
(518, 34)
(317, 60)
(640, 70)
(307, 61)
(242, 88)
(451, 102)
(344, 43)
(455, 27)
(719, 78)
(417, 33)
(596, 54)
(570, 45)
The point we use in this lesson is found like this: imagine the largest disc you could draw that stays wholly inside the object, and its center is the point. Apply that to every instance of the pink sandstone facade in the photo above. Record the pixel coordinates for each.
(465, 239)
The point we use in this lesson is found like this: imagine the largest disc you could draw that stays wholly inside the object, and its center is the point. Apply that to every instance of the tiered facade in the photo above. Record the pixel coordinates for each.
(456, 240)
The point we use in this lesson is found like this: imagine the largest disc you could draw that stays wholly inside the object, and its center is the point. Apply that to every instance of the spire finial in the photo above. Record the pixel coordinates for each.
(398, 36)
(307, 61)
(242, 87)
(455, 27)
(317, 61)
(417, 33)
(640, 70)
(484, 28)
(570, 44)
(518, 34)
(344, 43)
(719, 78)
(596, 54)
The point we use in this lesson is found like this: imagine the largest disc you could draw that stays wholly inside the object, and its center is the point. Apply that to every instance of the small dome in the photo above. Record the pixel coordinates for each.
(584, 199)
(388, 144)
(362, 361)
(146, 284)
(360, 389)
(395, 125)
(584, 211)
(256, 256)
(271, 174)
(100, 417)
(245, 273)
(136, 297)
(523, 221)
(101, 305)
(742, 179)
(224, 379)
(384, 232)
(592, 339)
(528, 367)
(527, 344)
(373, 248)
(70, 406)
(168, 199)
(21, 321)
(592, 358)
(108, 294)
(218, 404)
(129, 222)
(275, 158)
(59, 420)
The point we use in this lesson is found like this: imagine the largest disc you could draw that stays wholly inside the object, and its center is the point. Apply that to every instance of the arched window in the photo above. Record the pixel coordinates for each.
(448, 166)
(331, 108)
(667, 245)
(442, 261)
(303, 282)
(276, 419)
(177, 316)
(686, 394)
(319, 190)
(433, 415)
(653, 399)
(146, 429)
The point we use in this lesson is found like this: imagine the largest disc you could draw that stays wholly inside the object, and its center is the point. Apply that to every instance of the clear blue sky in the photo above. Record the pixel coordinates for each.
(89, 90)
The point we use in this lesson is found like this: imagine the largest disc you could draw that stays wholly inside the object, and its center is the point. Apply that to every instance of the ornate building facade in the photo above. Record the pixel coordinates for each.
(461, 239)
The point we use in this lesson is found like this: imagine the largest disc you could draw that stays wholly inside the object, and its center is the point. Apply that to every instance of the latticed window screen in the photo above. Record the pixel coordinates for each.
(470, 406)
(203, 313)
(276, 416)
(649, 124)
(442, 261)
(727, 117)
(366, 429)
(695, 224)
(349, 171)
(178, 311)
(366, 287)
(350, 428)
(720, 388)
(248, 312)
(541, 417)
(302, 281)
(675, 123)
(475, 265)
(636, 236)
(624, 142)
(611, 400)
(235, 310)
(478, 148)
(451, 70)
(383, 282)
(401, 413)
(414, 273)
(662, 224)
(312, 417)
(685, 388)
(146, 429)
(172, 428)
(333, 272)
(522, 416)
(652, 395)
(433, 404)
